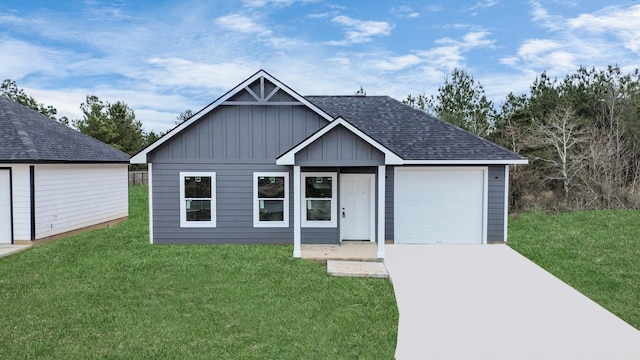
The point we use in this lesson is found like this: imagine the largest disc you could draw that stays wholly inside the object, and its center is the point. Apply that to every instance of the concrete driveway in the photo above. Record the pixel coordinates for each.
(489, 302)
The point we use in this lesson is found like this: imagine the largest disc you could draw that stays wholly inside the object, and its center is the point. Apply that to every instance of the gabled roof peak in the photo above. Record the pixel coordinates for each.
(255, 98)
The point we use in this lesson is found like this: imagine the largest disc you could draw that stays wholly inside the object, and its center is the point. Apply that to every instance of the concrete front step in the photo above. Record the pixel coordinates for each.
(357, 269)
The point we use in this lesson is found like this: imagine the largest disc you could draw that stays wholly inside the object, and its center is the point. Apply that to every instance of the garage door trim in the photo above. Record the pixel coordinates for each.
(485, 188)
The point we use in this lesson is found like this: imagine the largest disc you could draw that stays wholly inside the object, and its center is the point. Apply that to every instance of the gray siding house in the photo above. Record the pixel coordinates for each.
(265, 165)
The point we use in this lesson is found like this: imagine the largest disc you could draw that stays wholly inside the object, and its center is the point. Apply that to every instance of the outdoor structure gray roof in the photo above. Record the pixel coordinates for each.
(26, 136)
(410, 133)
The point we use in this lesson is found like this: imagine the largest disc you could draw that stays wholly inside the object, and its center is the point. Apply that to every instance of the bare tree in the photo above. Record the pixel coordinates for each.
(563, 133)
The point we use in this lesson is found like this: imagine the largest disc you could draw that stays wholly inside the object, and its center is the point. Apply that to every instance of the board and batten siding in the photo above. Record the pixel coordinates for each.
(21, 201)
(495, 205)
(234, 142)
(236, 134)
(339, 147)
(74, 196)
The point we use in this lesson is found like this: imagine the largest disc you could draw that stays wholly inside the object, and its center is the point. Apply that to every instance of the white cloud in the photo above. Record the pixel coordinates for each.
(588, 39)
(323, 15)
(536, 47)
(182, 73)
(470, 40)
(543, 55)
(360, 31)
(404, 12)
(280, 3)
(477, 39)
(541, 15)
(484, 4)
(242, 24)
(622, 23)
(19, 59)
(395, 63)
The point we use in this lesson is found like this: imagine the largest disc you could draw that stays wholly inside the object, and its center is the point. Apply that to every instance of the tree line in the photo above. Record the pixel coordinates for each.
(581, 135)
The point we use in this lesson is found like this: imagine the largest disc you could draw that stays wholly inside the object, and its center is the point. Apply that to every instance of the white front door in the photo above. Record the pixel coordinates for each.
(5, 207)
(357, 215)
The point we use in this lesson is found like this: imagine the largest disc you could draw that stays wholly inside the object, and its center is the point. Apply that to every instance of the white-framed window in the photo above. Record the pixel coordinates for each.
(270, 199)
(319, 199)
(197, 199)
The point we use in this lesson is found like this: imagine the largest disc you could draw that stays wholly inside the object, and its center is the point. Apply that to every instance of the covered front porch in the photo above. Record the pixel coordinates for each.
(339, 191)
(344, 221)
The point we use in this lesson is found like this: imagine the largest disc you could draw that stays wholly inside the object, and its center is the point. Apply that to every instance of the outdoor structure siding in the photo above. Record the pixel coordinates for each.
(340, 147)
(20, 181)
(72, 196)
(234, 142)
(495, 206)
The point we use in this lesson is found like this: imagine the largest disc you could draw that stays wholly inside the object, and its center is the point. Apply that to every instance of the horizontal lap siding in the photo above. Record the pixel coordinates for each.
(495, 206)
(21, 193)
(389, 191)
(234, 142)
(70, 197)
(320, 235)
(234, 206)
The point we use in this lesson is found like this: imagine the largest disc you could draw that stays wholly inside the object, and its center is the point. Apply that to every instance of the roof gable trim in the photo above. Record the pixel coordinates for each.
(289, 157)
(141, 157)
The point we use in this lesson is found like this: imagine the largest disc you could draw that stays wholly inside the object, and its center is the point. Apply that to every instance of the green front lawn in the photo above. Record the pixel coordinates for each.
(596, 252)
(109, 294)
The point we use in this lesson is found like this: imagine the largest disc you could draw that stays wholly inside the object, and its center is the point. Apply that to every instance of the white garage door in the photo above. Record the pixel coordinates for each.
(441, 205)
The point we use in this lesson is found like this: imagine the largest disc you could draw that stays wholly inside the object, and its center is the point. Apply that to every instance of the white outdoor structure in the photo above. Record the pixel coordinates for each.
(55, 180)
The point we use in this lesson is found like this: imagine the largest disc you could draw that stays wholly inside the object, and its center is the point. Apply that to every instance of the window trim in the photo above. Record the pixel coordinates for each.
(256, 209)
(334, 200)
(214, 196)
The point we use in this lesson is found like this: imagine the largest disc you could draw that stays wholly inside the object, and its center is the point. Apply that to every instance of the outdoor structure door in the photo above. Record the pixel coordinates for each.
(357, 199)
(5, 207)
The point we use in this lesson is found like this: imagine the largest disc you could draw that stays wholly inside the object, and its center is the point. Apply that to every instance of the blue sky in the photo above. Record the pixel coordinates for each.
(162, 57)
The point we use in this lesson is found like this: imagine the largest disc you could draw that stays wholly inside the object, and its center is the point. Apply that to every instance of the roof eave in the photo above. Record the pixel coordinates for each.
(468, 162)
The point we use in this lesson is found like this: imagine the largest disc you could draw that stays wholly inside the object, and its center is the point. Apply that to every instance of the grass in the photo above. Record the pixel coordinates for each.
(109, 294)
(596, 252)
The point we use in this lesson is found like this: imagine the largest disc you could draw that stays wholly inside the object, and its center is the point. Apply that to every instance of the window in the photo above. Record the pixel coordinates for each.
(270, 199)
(197, 199)
(319, 199)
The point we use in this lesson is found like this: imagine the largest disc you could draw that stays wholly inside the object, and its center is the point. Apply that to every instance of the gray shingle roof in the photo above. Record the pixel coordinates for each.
(410, 133)
(26, 136)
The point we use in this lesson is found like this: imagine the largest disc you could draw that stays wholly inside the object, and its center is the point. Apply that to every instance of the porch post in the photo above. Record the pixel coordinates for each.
(381, 209)
(297, 252)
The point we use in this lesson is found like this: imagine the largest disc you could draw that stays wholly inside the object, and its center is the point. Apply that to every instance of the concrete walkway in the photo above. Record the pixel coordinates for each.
(489, 302)
(6, 250)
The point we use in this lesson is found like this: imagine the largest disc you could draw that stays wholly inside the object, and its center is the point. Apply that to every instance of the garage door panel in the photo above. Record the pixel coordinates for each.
(439, 206)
